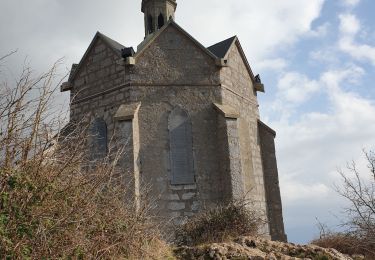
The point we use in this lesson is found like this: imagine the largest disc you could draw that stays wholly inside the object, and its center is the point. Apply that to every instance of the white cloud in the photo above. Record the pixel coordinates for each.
(296, 87)
(332, 79)
(349, 24)
(277, 64)
(324, 140)
(296, 192)
(349, 29)
(351, 3)
(262, 25)
(327, 55)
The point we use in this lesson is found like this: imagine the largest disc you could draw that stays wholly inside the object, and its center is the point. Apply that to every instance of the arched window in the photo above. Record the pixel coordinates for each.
(150, 24)
(160, 21)
(98, 139)
(181, 147)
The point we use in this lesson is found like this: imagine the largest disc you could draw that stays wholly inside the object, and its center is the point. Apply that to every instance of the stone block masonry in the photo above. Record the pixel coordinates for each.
(230, 155)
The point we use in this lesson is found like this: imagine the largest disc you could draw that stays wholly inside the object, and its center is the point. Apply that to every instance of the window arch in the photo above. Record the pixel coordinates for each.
(98, 139)
(160, 21)
(150, 24)
(181, 147)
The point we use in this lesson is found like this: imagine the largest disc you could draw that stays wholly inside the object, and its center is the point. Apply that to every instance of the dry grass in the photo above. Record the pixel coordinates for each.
(220, 224)
(343, 243)
(50, 206)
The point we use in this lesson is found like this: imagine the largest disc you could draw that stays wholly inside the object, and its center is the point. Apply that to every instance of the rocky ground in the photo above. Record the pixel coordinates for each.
(259, 249)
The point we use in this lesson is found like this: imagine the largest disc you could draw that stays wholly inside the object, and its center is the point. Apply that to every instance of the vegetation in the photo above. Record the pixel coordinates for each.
(50, 206)
(359, 190)
(220, 224)
(345, 243)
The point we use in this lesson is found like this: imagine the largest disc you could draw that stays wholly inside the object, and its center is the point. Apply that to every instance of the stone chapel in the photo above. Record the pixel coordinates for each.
(186, 114)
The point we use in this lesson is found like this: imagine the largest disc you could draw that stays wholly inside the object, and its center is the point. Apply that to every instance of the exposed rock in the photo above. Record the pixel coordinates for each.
(251, 248)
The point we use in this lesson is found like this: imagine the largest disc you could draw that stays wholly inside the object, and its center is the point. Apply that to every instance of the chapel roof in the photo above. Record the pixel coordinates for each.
(112, 43)
(220, 49)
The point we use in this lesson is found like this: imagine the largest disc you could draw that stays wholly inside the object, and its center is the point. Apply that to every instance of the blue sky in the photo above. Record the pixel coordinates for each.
(316, 58)
(321, 102)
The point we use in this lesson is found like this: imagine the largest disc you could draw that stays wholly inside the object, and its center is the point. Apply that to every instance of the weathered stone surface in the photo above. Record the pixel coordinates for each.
(188, 196)
(176, 206)
(190, 187)
(169, 196)
(195, 206)
(257, 249)
(173, 71)
(227, 111)
(271, 181)
(126, 111)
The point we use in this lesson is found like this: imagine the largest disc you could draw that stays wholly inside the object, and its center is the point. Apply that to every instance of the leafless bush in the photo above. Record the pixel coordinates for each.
(50, 207)
(220, 224)
(345, 243)
(359, 190)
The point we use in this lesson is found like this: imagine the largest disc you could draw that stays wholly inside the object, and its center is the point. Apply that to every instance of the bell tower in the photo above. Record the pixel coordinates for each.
(157, 13)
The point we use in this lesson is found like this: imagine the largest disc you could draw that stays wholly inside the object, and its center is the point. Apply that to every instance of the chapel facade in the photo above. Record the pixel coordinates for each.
(186, 114)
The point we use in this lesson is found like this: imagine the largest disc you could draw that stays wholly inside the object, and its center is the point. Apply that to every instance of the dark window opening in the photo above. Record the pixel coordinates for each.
(150, 24)
(160, 21)
(181, 148)
(98, 139)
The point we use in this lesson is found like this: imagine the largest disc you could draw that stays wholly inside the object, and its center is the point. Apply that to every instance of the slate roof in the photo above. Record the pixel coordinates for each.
(112, 43)
(220, 49)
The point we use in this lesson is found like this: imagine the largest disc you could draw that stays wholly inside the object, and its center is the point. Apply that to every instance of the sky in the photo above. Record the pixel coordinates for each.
(315, 57)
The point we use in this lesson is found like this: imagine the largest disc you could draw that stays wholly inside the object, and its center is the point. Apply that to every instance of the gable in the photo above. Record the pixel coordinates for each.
(98, 39)
(222, 49)
(244, 59)
(172, 23)
(174, 57)
(98, 70)
(236, 75)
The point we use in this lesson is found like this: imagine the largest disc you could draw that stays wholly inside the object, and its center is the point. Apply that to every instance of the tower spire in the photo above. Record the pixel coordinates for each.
(157, 13)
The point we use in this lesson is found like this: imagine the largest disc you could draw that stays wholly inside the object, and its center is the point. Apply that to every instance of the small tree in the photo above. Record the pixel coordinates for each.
(358, 189)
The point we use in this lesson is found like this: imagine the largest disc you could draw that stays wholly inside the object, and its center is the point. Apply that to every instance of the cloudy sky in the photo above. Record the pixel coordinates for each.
(316, 58)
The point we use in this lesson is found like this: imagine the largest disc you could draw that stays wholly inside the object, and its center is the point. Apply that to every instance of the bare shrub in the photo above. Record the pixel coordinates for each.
(220, 224)
(359, 190)
(50, 206)
(342, 242)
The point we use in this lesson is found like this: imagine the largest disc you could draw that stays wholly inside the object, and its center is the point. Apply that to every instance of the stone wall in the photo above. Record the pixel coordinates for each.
(155, 158)
(238, 92)
(271, 179)
(173, 71)
(92, 84)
